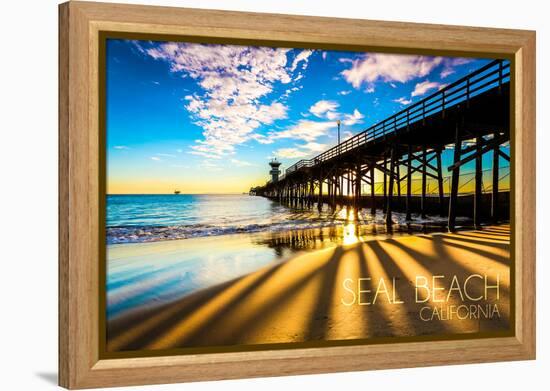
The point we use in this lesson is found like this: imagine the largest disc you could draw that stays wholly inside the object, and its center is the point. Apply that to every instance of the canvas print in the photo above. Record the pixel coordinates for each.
(269, 197)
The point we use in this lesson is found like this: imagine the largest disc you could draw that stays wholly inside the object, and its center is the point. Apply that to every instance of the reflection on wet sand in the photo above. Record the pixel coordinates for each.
(335, 293)
(353, 228)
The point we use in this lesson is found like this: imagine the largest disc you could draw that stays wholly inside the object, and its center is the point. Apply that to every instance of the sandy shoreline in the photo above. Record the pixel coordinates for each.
(326, 294)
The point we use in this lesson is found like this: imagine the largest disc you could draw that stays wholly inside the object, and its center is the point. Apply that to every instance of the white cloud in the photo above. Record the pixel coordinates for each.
(121, 147)
(304, 130)
(262, 139)
(233, 80)
(240, 163)
(314, 147)
(370, 89)
(291, 153)
(301, 150)
(324, 55)
(446, 72)
(166, 155)
(346, 134)
(403, 101)
(327, 109)
(307, 131)
(425, 86)
(388, 67)
(303, 56)
(322, 107)
(352, 119)
(459, 61)
(344, 93)
(345, 60)
(289, 91)
(156, 158)
(332, 115)
(451, 63)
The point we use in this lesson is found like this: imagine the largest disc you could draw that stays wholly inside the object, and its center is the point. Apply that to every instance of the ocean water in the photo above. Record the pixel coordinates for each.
(151, 218)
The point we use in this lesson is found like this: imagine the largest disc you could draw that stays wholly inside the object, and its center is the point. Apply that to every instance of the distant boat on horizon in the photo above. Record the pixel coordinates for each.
(176, 192)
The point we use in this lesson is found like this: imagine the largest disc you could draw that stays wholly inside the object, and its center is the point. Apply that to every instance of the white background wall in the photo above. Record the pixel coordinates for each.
(28, 192)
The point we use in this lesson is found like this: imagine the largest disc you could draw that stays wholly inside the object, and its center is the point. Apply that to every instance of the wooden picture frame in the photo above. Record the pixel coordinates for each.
(80, 24)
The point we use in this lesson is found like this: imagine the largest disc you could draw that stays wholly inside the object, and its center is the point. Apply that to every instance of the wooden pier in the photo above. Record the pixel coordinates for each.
(475, 108)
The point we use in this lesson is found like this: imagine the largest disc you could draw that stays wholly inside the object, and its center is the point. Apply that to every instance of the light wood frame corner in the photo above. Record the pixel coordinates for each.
(80, 365)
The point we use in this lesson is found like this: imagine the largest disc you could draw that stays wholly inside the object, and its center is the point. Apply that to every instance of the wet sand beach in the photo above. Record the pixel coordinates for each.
(333, 292)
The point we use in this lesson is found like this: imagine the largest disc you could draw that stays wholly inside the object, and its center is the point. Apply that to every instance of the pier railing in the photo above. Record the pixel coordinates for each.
(492, 75)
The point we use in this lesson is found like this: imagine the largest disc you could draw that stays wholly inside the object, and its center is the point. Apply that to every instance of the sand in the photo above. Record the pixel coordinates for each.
(336, 294)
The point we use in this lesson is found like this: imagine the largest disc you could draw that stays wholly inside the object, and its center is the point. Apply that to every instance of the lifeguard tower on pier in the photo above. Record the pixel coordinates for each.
(275, 171)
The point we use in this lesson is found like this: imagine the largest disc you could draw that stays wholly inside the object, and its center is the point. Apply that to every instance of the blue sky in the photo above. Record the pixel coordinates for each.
(208, 118)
